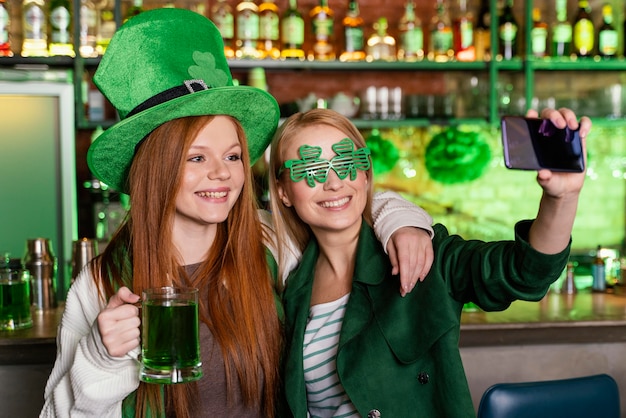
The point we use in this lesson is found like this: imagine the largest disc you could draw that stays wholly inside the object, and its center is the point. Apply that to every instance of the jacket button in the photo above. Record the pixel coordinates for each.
(423, 378)
(374, 413)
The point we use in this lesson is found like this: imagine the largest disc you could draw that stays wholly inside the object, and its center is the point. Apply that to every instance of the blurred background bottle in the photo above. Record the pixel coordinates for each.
(561, 32)
(354, 38)
(322, 20)
(135, 8)
(247, 29)
(380, 45)
(5, 29)
(269, 37)
(88, 27)
(482, 32)
(106, 25)
(292, 32)
(607, 34)
(508, 31)
(34, 29)
(598, 272)
(411, 47)
(441, 48)
(584, 32)
(60, 20)
(538, 35)
(222, 16)
(463, 33)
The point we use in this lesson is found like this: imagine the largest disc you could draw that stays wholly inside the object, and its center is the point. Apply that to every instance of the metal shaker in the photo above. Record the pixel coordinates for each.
(41, 263)
(83, 250)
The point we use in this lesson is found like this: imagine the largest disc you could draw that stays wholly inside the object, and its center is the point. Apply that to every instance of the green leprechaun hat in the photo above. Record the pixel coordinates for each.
(165, 64)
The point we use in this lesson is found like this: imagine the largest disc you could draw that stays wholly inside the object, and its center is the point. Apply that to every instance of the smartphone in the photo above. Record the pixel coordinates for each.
(535, 144)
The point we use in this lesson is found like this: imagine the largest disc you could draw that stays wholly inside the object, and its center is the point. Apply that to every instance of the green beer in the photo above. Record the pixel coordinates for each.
(14, 301)
(170, 349)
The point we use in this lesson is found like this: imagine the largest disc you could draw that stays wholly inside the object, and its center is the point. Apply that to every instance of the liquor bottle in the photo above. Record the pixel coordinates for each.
(107, 26)
(441, 38)
(292, 32)
(222, 16)
(561, 32)
(354, 38)
(247, 29)
(507, 32)
(411, 37)
(135, 8)
(538, 35)
(598, 272)
(322, 24)
(5, 27)
(482, 32)
(584, 32)
(60, 18)
(381, 45)
(463, 33)
(607, 34)
(88, 27)
(35, 29)
(269, 23)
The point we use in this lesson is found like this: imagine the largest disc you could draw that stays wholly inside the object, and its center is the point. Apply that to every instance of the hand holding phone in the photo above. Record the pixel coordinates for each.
(535, 144)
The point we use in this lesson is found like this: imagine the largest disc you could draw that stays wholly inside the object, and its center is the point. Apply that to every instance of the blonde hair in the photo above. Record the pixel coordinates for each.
(287, 223)
(239, 310)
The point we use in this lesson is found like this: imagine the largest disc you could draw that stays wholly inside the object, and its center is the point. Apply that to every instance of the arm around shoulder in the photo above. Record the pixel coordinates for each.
(391, 212)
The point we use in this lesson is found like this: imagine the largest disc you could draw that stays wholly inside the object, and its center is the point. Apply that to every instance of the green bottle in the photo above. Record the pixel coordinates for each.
(292, 32)
(607, 34)
(507, 32)
(60, 20)
(584, 32)
(561, 43)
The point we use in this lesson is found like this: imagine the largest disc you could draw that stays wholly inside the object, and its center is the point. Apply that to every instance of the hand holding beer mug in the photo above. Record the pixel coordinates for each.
(170, 344)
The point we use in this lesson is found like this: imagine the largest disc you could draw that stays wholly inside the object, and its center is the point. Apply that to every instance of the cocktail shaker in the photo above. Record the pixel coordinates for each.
(41, 263)
(83, 250)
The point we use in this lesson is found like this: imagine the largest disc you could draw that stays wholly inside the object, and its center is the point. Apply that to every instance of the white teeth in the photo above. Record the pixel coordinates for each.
(212, 195)
(335, 203)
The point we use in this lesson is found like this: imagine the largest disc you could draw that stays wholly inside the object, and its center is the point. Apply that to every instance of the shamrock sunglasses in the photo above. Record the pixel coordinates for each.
(347, 161)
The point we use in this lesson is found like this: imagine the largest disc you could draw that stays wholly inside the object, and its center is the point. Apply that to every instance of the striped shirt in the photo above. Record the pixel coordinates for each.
(326, 396)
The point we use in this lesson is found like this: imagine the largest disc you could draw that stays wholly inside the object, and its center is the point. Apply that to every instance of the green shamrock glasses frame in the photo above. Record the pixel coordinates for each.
(347, 161)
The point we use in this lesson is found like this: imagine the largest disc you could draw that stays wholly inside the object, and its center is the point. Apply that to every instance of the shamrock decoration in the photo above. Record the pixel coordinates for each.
(206, 70)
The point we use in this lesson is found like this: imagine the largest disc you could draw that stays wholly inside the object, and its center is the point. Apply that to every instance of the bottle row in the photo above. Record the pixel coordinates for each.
(263, 31)
(45, 27)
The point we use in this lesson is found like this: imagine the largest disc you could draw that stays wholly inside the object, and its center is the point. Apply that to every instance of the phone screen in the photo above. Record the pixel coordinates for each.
(534, 144)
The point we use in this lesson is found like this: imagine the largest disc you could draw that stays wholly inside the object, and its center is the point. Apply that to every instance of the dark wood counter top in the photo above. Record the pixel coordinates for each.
(557, 319)
(35, 345)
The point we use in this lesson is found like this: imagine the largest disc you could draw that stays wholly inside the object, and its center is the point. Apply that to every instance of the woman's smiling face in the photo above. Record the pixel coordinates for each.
(332, 205)
(213, 175)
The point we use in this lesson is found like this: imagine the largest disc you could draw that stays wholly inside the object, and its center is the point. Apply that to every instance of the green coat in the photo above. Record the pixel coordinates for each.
(400, 356)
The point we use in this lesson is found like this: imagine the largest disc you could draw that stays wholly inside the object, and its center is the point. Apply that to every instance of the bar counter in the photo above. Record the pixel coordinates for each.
(560, 336)
(35, 345)
(584, 317)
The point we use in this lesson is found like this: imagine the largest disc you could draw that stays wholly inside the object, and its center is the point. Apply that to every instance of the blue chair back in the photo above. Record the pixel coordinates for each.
(594, 396)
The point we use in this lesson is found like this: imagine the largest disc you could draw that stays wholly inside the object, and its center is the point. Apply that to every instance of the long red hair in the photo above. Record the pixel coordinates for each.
(240, 309)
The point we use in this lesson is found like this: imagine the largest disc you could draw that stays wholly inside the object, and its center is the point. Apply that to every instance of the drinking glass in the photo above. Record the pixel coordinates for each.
(15, 299)
(170, 343)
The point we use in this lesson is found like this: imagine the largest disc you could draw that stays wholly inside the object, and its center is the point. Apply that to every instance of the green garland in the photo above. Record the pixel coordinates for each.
(384, 153)
(455, 156)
